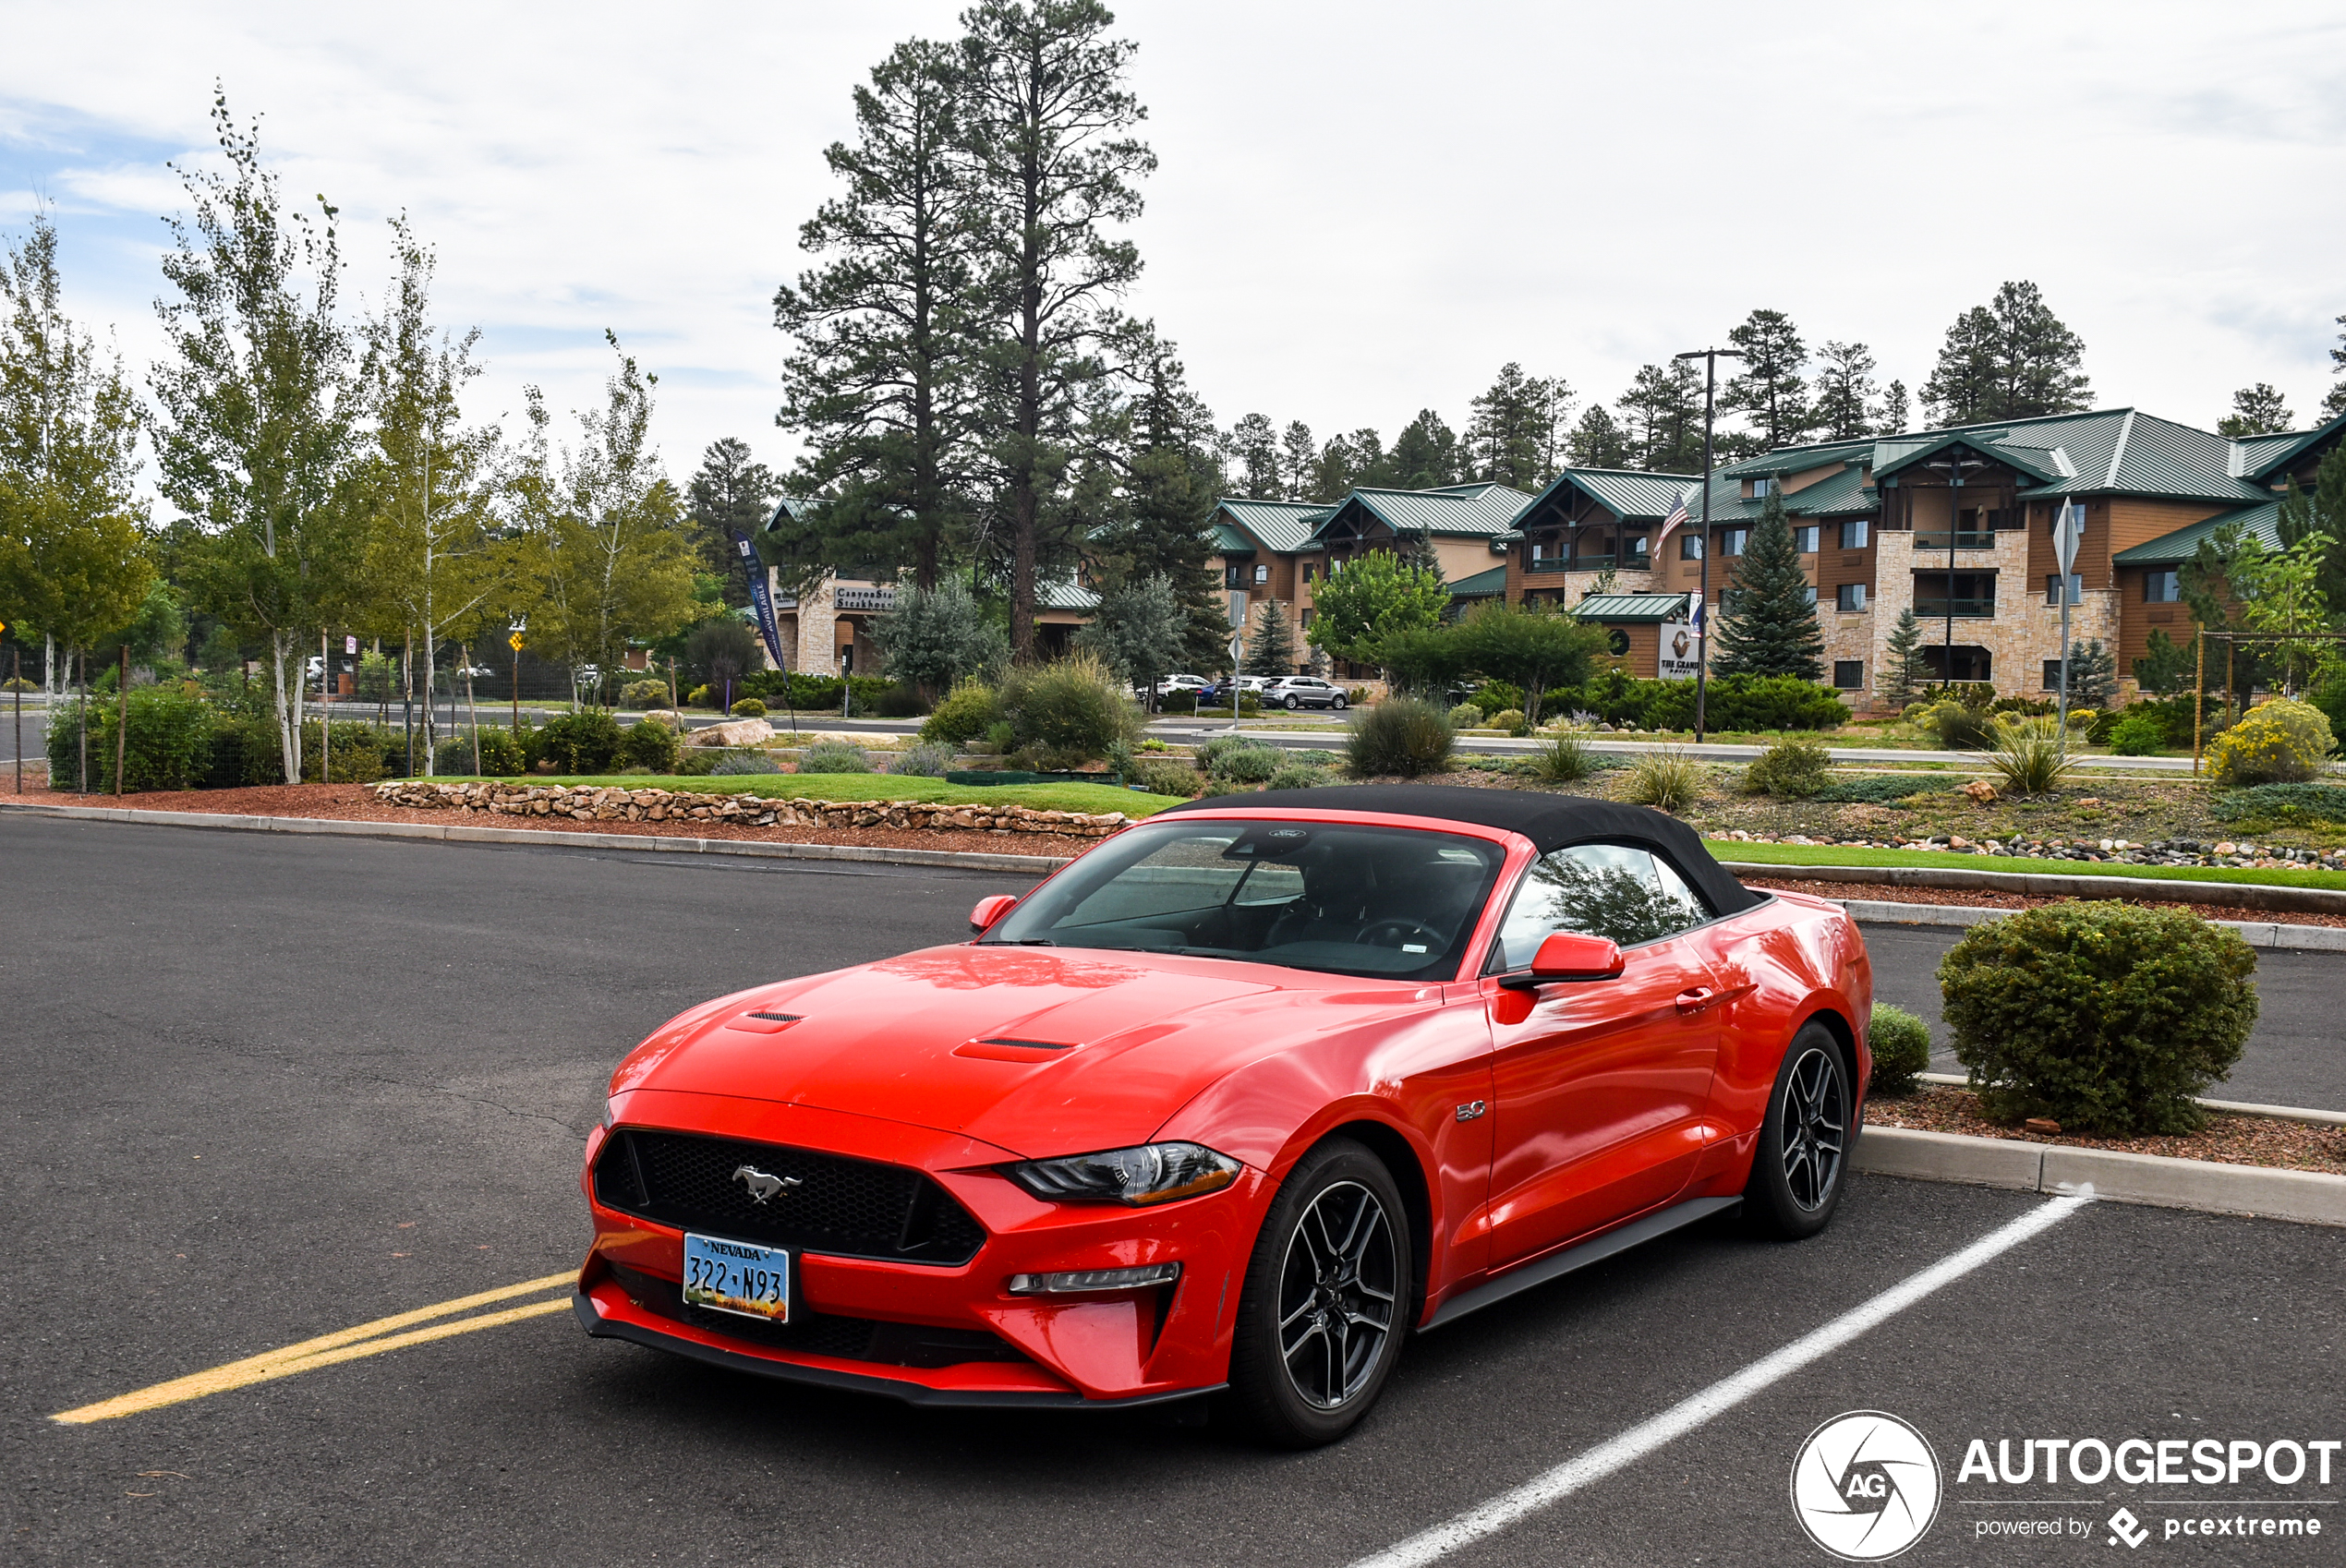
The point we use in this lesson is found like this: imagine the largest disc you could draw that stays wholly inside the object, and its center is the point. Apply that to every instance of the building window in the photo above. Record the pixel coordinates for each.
(1731, 540)
(1689, 546)
(1306, 617)
(2163, 586)
(2052, 588)
(1760, 487)
(1805, 539)
(1849, 674)
(1970, 663)
(1233, 576)
(1849, 597)
(1639, 547)
(2052, 675)
(1306, 572)
(1855, 532)
(1262, 573)
(1811, 592)
(1970, 593)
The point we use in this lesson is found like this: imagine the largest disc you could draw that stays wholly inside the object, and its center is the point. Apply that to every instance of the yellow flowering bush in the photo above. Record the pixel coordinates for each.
(2278, 741)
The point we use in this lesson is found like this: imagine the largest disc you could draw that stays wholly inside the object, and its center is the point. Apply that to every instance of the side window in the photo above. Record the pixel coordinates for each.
(1602, 890)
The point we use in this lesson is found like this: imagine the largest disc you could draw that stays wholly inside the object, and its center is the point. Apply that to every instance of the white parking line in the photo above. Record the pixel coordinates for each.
(1554, 1485)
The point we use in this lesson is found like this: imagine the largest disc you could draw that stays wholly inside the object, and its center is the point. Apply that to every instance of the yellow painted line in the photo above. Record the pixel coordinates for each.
(327, 1350)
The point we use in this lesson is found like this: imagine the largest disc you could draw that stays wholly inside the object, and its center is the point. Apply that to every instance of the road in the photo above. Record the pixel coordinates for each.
(262, 1089)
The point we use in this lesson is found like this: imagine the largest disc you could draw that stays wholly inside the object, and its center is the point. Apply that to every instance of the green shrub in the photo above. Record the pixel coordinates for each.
(361, 752)
(2032, 756)
(1001, 737)
(1507, 718)
(899, 701)
(585, 742)
(1792, 769)
(648, 743)
(924, 759)
(2290, 805)
(453, 755)
(745, 761)
(1957, 726)
(1297, 775)
(1494, 698)
(1068, 713)
(245, 751)
(1878, 791)
(833, 756)
(701, 696)
(169, 746)
(1741, 702)
(967, 712)
(502, 755)
(2104, 1016)
(1901, 1045)
(697, 762)
(1176, 701)
(749, 707)
(1210, 752)
(1165, 776)
(1466, 715)
(2138, 735)
(1400, 735)
(643, 693)
(1667, 780)
(2278, 741)
(18, 683)
(1564, 760)
(1244, 765)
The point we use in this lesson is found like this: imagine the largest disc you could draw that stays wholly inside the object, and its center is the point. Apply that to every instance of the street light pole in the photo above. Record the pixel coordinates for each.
(1710, 357)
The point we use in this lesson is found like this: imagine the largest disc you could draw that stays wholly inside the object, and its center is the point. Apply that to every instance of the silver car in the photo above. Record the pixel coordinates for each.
(1302, 691)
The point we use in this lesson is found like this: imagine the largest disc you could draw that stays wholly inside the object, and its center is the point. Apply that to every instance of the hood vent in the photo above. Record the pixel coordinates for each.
(999, 1050)
(763, 1022)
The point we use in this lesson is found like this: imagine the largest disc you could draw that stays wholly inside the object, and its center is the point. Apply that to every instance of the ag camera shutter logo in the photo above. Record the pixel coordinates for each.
(1866, 1486)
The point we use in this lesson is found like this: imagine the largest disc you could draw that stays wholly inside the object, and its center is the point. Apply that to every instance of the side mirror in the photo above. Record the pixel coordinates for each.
(1567, 956)
(989, 910)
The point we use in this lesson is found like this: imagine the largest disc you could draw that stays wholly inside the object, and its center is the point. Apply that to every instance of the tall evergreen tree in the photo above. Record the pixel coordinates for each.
(1172, 478)
(880, 384)
(1142, 631)
(1425, 454)
(1844, 403)
(1769, 386)
(2320, 511)
(1048, 125)
(1890, 419)
(1512, 438)
(1662, 418)
(731, 490)
(2260, 410)
(1299, 462)
(2335, 403)
(2012, 358)
(1253, 448)
(1336, 470)
(1772, 629)
(1901, 677)
(1271, 649)
(1597, 441)
(2093, 675)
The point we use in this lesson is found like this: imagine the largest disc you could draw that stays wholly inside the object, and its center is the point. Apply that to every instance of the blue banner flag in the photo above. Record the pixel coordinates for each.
(755, 569)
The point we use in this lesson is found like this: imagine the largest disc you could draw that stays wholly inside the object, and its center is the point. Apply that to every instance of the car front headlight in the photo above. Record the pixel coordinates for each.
(1151, 1173)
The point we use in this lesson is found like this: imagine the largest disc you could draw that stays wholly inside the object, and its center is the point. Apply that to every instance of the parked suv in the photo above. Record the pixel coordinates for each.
(1302, 691)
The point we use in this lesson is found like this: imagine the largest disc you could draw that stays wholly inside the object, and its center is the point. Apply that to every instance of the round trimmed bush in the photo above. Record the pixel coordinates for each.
(1791, 769)
(735, 764)
(1295, 775)
(2280, 741)
(701, 696)
(923, 760)
(833, 756)
(648, 743)
(1900, 1045)
(1466, 715)
(643, 693)
(2104, 1016)
(965, 715)
(1165, 776)
(1244, 765)
(1507, 718)
(2138, 735)
(1066, 714)
(583, 741)
(749, 707)
(1401, 735)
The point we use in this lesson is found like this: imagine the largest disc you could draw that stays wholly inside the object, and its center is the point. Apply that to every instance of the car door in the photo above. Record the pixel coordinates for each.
(1600, 1087)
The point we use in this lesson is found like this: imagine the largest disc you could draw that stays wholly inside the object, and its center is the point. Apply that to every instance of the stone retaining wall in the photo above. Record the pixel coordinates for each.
(581, 803)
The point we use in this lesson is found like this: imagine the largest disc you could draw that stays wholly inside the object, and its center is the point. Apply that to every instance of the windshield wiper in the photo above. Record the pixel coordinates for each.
(1028, 942)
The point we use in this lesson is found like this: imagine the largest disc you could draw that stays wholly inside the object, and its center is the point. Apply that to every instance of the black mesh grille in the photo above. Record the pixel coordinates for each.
(822, 1334)
(855, 1208)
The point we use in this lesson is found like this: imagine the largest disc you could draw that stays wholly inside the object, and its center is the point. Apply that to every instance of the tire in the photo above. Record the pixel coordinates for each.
(1801, 1167)
(1337, 702)
(1293, 702)
(1333, 1253)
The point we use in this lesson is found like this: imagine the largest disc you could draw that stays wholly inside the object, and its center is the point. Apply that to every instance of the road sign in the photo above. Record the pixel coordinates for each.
(2069, 527)
(514, 641)
(350, 644)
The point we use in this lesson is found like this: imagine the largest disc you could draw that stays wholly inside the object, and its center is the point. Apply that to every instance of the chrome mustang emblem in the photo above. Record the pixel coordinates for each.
(761, 1186)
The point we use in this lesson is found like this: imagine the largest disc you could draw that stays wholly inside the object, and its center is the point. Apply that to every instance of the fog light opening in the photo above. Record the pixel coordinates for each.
(1095, 1282)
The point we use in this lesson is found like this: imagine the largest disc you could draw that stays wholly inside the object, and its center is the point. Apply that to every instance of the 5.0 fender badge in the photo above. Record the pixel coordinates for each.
(1470, 1110)
(761, 1186)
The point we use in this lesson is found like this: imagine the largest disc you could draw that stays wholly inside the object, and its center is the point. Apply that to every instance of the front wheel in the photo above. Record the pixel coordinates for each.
(1338, 705)
(1802, 1164)
(1322, 1313)
(1293, 702)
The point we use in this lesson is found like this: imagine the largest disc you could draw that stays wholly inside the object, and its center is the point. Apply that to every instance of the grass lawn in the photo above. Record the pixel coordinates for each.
(1792, 855)
(869, 787)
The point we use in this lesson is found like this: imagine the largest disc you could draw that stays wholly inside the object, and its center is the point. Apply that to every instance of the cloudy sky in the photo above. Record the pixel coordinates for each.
(1363, 207)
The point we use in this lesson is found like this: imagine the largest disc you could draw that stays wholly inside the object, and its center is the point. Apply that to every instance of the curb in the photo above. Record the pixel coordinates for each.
(2239, 895)
(2256, 933)
(2231, 1107)
(456, 833)
(2306, 1196)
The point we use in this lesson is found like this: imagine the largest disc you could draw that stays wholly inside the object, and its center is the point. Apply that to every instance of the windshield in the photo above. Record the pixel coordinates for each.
(1390, 904)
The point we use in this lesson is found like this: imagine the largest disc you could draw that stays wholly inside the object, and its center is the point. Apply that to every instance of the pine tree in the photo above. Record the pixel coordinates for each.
(1513, 437)
(1662, 418)
(1844, 404)
(1172, 481)
(2009, 359)
(2260, 410)
(1769, 387)
(1425, 454)
(1299, 462)
(731, 490)
(2335, 403)
(1336, 470)
(1597, 441)
(1772, 629)
(2093, 675)
(1890, 419)
(1254, 448)
(1271, 650)
(881, 385)
(2322, 511)
(1901, 678)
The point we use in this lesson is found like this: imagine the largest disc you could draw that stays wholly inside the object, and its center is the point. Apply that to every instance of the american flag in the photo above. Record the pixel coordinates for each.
(1678, 515)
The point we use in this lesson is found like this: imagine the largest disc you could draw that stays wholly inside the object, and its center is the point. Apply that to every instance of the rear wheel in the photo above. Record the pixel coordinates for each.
(1802, 1164)
(1321, 1317)
(1293, 702)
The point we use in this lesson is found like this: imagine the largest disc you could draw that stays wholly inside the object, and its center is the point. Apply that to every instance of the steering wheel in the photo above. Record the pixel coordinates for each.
(1401, 929)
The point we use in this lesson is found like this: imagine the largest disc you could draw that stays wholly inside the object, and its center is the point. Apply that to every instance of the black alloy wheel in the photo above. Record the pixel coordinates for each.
(1327, 1293)
(1802, 1164)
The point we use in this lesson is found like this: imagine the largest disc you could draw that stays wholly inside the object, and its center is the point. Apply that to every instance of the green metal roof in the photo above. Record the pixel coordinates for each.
(1794, 459)
(1065, 596)
(1631, 495)
(1229, 541)
(1482, 585)
(2266, 455)
(1631, 607)
(1476, 511)
(2173, 550)
(1282, 527)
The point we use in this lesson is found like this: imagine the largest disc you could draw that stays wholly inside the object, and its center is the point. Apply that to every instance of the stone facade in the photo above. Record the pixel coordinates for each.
(2022, 635)
(585, 804)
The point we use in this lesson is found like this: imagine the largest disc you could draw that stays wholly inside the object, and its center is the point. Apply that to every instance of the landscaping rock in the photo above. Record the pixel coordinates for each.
(736, 732)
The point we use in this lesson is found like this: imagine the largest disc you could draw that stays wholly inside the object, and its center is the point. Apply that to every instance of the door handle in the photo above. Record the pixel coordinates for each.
(1695, 998)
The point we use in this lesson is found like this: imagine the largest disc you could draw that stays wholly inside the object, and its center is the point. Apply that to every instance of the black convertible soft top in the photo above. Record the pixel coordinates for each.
(1551, 822)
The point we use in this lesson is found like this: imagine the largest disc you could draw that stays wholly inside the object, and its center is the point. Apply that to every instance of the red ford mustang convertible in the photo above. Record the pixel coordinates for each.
(1233, 1104)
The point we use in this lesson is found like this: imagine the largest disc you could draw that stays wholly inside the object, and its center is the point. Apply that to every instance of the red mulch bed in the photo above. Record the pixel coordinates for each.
(1984, 898)
(2226, 1141)
(351, 802)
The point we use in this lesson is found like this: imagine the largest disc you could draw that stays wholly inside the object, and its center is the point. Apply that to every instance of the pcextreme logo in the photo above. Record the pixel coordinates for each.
(1865, 1486)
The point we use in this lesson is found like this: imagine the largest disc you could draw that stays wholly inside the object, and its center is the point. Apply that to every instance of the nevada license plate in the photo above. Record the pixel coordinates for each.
(737, 1276)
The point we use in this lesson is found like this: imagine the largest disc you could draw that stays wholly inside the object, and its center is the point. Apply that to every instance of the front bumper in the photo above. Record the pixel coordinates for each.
(1133, 1347)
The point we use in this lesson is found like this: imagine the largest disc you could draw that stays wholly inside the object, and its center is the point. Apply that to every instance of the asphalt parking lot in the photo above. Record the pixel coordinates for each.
(266, 1088)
